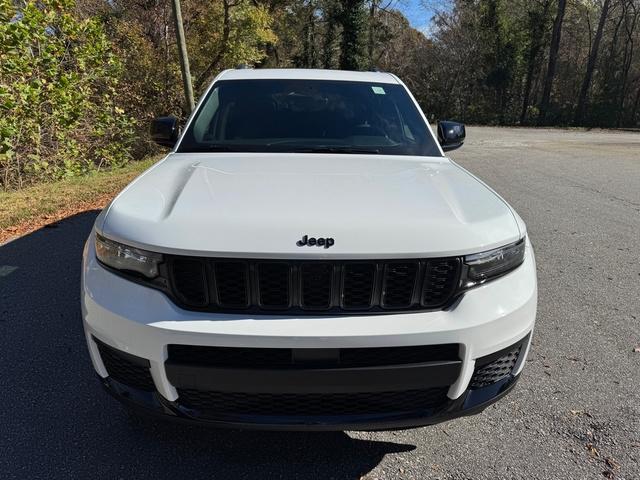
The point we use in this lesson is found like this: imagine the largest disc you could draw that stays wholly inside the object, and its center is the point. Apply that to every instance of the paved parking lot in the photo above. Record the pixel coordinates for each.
(574, 415)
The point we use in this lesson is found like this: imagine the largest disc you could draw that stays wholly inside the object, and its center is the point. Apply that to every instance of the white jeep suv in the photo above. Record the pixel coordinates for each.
(306, 257)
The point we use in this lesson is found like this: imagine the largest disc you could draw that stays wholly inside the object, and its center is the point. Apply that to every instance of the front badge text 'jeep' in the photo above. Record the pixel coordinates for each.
(318, 242)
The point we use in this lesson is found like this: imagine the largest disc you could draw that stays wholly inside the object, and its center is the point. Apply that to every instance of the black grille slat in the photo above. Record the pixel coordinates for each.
(213, 404)
(232, 284)
(440, 281)
(190, 281)
(274, 285)
(304, 287)
(358, 281)
(316, 285)
(398, 284)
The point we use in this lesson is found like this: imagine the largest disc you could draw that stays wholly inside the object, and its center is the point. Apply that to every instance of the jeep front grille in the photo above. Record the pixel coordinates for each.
(271, 286)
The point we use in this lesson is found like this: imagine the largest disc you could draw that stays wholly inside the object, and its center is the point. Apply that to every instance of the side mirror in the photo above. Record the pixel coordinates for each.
(164, 131)
(451, 135)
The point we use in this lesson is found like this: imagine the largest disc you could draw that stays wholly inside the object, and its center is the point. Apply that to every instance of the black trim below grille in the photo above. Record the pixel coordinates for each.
(126, 368)
(214, 404)
(264, 358)
(304, 287)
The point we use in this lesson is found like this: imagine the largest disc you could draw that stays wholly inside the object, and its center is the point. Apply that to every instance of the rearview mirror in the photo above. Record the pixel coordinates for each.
(451, 135)
(164, 131)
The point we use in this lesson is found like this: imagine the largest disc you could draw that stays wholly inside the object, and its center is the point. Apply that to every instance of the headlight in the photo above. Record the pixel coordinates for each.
(123, 257)
(487, 265)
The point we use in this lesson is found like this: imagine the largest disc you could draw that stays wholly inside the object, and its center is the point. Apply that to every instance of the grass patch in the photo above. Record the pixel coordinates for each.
(27, 209)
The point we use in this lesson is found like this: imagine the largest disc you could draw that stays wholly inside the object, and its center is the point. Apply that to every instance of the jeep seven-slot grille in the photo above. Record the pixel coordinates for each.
(313, 286)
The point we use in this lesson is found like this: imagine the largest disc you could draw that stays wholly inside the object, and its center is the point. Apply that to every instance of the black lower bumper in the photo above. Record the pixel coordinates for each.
(473, 401)
(318, 389)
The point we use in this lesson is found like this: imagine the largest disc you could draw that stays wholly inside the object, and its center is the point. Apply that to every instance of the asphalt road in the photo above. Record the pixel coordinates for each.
(574, 415)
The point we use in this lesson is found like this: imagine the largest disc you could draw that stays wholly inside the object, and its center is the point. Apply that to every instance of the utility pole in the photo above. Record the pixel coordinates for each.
(184, 58)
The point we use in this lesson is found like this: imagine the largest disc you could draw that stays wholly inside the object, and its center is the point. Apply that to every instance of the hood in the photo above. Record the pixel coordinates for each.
(260, 205)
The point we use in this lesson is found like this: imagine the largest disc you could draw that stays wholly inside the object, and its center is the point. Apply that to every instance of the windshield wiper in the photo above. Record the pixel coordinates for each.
(328, 149)
(221, 147)
(214, 147)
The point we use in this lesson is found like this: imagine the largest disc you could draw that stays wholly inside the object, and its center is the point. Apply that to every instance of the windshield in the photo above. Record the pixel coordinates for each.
(309, 116)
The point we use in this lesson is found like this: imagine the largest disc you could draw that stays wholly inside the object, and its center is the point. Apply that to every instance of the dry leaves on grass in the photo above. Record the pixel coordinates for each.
(40, 221)
(23, 211)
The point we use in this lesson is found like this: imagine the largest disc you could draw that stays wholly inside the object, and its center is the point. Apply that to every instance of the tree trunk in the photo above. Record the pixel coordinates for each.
(627, 60)
(328, 45)
(636, 103)
(226, 32)
(372, 37)
(553, 60)
(593, 56)
(351, 19)
(532, 57)
(309, 42)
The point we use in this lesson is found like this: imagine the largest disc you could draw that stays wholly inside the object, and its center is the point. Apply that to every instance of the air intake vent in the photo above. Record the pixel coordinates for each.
(357, 285)
(211, 404)
(125, 368)
(232, 284)
(190, 281)
(440, 280)
(274, 285)
(496, 370)
(399, 284)
(316, 285)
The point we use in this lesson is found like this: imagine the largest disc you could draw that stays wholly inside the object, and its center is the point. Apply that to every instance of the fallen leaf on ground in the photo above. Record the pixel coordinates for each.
(612, 464)
(578, 413)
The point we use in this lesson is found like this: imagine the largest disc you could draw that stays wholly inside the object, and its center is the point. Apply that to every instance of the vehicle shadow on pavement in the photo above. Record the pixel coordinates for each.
(56, 422)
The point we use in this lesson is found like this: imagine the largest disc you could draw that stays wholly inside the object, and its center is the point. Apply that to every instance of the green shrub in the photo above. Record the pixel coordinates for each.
(58, 84)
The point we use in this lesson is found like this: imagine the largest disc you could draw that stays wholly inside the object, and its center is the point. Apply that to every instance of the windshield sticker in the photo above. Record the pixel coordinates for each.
(378, 90)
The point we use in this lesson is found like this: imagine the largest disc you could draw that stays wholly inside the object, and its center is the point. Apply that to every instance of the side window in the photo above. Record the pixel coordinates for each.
(202, 125)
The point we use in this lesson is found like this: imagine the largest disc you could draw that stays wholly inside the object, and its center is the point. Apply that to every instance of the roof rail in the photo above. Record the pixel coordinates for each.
(243, 66)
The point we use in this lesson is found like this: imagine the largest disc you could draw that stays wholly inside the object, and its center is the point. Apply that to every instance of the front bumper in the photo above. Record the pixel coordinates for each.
(471, 402)
(142, 323)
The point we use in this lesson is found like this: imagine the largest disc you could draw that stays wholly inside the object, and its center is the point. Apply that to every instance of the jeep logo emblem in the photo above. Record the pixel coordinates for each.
(318, 242)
